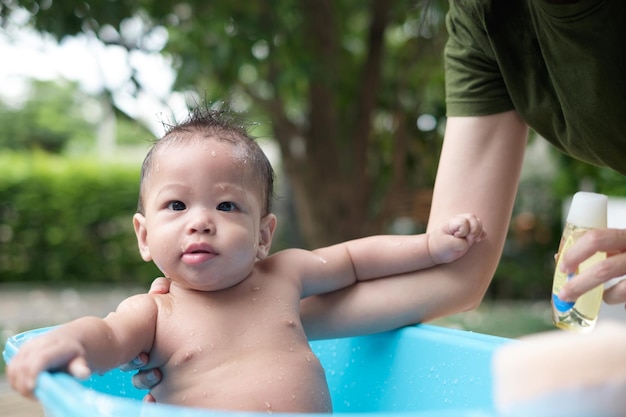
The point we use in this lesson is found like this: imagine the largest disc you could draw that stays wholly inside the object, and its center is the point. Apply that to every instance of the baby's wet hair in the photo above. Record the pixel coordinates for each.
(221, 125)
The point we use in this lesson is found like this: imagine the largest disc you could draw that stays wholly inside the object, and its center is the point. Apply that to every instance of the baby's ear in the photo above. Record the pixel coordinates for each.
(139, 222)
(266, 233)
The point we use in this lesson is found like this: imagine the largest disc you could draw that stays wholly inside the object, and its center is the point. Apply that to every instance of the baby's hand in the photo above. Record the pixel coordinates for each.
(455, 237)
(46, 352)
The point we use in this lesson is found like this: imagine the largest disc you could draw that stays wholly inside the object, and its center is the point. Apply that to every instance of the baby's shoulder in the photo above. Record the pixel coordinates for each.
(290, 253)
(139, 303)
(283, 259)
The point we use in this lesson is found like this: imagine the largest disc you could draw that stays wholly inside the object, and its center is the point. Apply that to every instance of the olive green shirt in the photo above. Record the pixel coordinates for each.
(562, 67)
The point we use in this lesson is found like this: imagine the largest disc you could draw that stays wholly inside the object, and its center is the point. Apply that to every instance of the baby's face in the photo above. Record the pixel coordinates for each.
(202, 215)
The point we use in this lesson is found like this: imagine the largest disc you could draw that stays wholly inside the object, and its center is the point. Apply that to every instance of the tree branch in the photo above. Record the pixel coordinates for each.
(370, 81)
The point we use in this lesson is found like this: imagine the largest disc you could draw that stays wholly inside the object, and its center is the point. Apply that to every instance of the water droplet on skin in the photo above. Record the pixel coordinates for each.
(256, 288)
(322, 260)
(213, 154)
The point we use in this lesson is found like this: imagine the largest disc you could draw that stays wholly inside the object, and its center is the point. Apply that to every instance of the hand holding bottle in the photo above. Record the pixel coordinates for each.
(587, 213)
(611, 241)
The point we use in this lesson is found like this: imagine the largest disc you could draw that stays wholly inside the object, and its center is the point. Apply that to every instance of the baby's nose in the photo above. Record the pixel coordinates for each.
(202, 223)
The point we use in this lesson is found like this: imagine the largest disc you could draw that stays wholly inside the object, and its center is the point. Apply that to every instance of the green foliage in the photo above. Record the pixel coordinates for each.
(503, 318)
(56, 117)
(130, 132)
(575, 174)
(340, 82)
(68, 221)
(48, 119)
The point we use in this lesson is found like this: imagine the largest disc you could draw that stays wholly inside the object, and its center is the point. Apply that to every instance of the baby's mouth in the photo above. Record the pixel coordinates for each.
(198, 253)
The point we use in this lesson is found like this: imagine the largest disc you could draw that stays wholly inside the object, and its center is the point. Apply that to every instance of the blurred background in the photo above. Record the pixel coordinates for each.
(346, 97)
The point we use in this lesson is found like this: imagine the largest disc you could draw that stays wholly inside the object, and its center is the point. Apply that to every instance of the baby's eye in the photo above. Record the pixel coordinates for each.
(176, 205)
(227, 206)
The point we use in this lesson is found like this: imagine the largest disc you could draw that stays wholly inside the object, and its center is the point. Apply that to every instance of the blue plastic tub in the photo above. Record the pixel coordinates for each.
(419, 371)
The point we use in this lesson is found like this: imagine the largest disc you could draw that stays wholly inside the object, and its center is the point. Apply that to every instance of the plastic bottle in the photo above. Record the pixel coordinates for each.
(587, 211)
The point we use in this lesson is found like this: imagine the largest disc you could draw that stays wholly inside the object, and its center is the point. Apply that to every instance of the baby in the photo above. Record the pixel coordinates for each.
(228, 334)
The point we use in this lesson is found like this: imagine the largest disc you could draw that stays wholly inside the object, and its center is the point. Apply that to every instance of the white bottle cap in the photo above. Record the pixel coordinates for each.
(588, 210)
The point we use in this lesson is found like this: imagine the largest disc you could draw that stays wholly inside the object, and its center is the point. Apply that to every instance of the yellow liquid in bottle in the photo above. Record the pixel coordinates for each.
(583, 314)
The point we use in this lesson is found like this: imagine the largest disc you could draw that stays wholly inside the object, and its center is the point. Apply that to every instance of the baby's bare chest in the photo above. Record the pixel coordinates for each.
(207, 347)
(214, 329)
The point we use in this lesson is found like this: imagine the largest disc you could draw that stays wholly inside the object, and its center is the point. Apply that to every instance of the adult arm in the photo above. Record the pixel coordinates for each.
(479, 171)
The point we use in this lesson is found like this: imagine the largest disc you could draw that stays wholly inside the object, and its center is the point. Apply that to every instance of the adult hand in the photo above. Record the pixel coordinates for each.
(146, 378)
(160, 286)
(611, 241)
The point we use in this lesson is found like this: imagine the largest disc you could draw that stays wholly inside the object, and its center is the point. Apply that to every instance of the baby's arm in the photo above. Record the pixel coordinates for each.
(86, 345)
(341, 265)
(382, 256)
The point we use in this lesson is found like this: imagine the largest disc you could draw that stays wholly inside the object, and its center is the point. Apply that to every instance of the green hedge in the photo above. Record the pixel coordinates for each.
(68, 220)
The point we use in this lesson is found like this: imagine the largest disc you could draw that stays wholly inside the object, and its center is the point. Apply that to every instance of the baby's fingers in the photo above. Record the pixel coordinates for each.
(468, 226)
(478, 232)
(459, 226)
(22, 378)
(78, 368)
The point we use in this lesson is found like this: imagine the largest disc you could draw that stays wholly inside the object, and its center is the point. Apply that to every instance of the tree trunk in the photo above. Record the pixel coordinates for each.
(332, 201)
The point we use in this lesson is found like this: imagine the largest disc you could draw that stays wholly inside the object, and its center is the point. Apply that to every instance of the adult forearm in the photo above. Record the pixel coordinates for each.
(479, 171)
(388, 303)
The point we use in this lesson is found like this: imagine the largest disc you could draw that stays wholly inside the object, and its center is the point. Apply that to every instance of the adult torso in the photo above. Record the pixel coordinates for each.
(561, 66)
